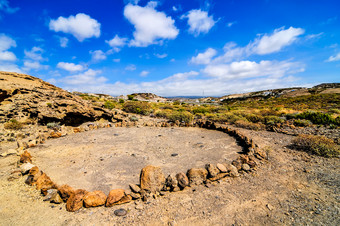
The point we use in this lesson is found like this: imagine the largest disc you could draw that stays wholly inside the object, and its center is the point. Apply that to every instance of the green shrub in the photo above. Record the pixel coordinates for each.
(133, 119)
(318, 118)
(109, 105)
(200, 110)
(13, 124)
(130, 97)
(121, 101)
(53, 125)
(137, 107)
(254, 118)
(302, 122)
(249, 125)
(272, 120)
(181, 117)
(49, 105)
(318, 145)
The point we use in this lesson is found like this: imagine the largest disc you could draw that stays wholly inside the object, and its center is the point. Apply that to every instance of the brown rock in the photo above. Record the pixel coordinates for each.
(75, 201)
(33, 175)
(237, 164)
(125, 199)
(245, 167)
(197, 176)
(135, 188)
(221, 168)
(135, 195)
(183, 180)
(152, 178)
(219, 176)
(232, 170)
(56, 199)
(252, 163)
(212, 170)
(171, 181)
(95, 198)
(44, 183)
(114, 196)
(26, 157)
(65, 192)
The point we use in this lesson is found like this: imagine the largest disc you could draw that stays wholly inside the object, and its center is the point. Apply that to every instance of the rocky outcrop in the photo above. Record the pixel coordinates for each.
(25, 97)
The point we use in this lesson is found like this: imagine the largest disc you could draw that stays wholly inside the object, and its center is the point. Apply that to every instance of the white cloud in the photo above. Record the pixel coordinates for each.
(248, 69)
(231, 23)
(314, 36)
(6, 42)
(98, 55)
(35, 54)
(276, 41)
(174, 8)
(4, 6)
(334, 58)
(144, 73)
(151, 26)
(71, 67)
(116, 60)
(63, 42)
(131, 67)
(161, 56)
(7, 56)
(10, 67)
(262, 45)
(199, 21)
(80, 26)
(85, 78)
(117, 41)
(204, 58)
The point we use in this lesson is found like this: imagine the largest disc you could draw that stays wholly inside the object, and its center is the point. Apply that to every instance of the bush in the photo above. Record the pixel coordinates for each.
(254, 118)
(49, 105)
(13, 124)
(181, 117)
(318, 118)
(318, 145)
(53, 125)
(137, 107)
(130, 97)
(200, 110)
(302, 122)
(121, 101)
(272, 120)
(109, 105)
(133, 119)
(249, 125)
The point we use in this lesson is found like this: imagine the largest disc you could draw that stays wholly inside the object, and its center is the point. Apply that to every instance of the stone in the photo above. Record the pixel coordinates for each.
(120, 212)
(50, 193)
(237, 164)
(33, 174)
(245, 167)
(244, 159)
(65, 192)
(95, 198)
(56, 199)
(221, 168)
(252, 164)
(152, 178)
(26, 157)
(219, 176)
(135, 188)
(125, 199)
(14, 176)
(44, 183)
(32, 143)
(233, 172)
(145, 195)
(212, 170)
(25, 168)
(135, 195)
(171, 181)
(197, 176)
(114, 196)
(75, 201)
(182, 179)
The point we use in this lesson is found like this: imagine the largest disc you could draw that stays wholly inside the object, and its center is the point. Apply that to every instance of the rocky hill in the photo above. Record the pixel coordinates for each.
(24, 97)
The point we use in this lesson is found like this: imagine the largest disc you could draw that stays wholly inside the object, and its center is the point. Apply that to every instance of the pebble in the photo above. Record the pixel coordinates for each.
(120, 212)
(174, 154)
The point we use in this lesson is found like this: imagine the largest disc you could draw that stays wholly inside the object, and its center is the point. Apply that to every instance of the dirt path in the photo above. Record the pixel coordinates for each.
(291, 188)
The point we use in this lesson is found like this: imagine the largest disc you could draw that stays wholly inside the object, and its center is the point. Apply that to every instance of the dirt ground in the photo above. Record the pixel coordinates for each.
(291, 188)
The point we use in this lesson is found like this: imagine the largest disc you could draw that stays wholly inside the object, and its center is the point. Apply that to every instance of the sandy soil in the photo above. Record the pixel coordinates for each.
(291, 188)
(111, 158)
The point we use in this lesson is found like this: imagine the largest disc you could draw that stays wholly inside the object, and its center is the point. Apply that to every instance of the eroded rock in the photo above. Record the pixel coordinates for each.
(95, 198)
(197, 176)
(75, 201)
(152, 178)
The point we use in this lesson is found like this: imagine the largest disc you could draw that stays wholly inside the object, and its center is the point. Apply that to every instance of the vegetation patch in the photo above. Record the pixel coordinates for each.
(13, 124)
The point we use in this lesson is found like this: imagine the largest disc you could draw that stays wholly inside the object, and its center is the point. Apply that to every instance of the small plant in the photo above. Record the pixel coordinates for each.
(318, 145)
(49, 105)
(109, 105)
(53, 125)
(13, 124)
(130, 97)
(302, 122)
(133, 119)
(181, 117)
(318, 117)
(137, 107)
(121, 101)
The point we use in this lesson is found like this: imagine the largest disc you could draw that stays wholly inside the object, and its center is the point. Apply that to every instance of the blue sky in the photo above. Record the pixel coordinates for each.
(172, 48)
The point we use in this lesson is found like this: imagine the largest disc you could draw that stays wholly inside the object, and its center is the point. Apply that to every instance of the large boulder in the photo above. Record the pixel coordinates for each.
(152, 179)
(95, 198)
(197, 176)
(75, 201)
(65, 192)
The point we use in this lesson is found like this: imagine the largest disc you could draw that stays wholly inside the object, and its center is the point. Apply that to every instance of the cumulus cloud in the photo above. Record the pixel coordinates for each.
(98, 55)
(63, 42)
(131, 67)
(116, 43)
(204, 58)
(34, 54)
(71, 67)
(4, 6)
(161, 56)
(6, 43)
(334, 58)
(264, 44)
(144, 73)
(88, 77)
(199, 21)
(81, 26)
(10, 67)
(151, 26)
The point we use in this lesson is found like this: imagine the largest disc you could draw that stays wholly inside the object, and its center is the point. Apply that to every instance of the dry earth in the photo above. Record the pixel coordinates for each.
(291, 188)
